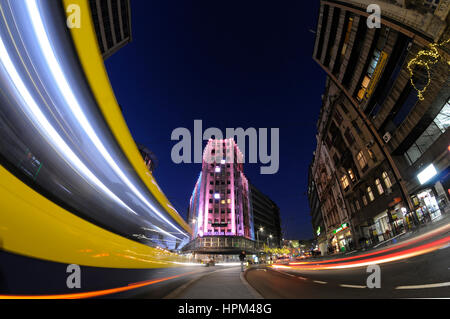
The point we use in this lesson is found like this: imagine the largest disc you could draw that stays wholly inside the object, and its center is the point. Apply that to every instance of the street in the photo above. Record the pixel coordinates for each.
(424, 276)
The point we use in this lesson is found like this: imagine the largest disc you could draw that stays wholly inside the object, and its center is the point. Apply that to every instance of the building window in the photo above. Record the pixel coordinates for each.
(349, 136)
(343, 108)
(361, 160)
(364, 199)
(338, 117)
(370, 193)
(379, 186)
(344, 181)
(439, 125)
(350, 173)
(386, 179)
(347, 36)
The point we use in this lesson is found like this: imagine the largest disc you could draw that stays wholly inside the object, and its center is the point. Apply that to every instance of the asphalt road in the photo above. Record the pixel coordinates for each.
(183, 275)
(397, 280)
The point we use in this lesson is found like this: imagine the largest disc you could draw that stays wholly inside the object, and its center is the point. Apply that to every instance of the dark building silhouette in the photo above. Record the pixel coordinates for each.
(112, 23)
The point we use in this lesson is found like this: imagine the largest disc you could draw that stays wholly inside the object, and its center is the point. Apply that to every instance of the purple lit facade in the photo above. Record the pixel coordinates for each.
(220, 203)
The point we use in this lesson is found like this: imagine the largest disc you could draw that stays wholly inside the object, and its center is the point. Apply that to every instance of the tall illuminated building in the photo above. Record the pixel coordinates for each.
(220, 203)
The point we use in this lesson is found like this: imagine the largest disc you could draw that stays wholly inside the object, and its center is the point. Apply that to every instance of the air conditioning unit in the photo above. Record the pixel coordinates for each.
(387, 137)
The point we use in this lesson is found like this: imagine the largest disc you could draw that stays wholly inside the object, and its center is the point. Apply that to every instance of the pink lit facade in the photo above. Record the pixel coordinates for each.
(220, 203)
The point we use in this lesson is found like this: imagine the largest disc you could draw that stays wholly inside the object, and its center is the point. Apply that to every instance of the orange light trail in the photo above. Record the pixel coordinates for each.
(406, 243)
(98, 293)
(412, 252)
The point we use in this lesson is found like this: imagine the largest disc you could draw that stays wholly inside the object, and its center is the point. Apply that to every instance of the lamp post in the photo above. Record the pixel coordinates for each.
(270, 236)
(257, 234)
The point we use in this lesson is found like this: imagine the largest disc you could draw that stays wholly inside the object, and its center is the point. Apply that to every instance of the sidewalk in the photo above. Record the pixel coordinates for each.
(227, 283)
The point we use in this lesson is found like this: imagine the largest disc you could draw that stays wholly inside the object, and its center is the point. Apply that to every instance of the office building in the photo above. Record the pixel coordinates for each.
(266, 219)
(112, 23)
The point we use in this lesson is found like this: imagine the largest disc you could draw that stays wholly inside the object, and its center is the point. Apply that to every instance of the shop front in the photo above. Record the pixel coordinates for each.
(341, 238)
(398, 222)
(431, 198)
(426, 207)
(381, 228)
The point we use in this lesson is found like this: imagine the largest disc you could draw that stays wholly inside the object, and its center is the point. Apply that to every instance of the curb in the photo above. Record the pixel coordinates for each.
(252, 290)
(175, 293)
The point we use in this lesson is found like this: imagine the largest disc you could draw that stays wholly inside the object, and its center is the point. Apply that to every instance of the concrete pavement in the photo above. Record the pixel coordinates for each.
(221, 283)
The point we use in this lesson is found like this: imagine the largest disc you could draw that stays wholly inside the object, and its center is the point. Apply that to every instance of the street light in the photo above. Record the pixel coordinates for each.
(257, 234)
(270, 236)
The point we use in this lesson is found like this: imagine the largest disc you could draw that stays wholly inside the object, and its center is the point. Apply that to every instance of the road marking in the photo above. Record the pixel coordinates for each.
(352, 286)
(302, 278)
(261, 269)
(441, 284)
(289, 274)
(320, 282)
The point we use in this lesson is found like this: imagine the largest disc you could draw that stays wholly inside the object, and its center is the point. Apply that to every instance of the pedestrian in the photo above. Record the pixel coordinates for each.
(242, 259)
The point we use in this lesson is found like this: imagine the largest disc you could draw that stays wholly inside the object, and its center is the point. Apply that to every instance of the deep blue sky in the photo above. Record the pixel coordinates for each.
(231, 64)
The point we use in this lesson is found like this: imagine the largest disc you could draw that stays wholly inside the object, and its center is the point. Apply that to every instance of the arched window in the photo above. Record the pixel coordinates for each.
(379, 186)
(386, 179)
(370, 193)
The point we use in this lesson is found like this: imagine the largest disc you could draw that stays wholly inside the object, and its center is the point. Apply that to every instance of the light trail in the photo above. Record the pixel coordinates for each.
(75, 108)
(41, 122)
(412, 252)
(409, 242)
(97, 293)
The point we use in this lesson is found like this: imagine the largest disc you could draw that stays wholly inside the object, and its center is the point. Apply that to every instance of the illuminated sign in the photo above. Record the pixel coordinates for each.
(343, 226)
(318, 231)
(395, 201)
(427, 174)
(377, 73)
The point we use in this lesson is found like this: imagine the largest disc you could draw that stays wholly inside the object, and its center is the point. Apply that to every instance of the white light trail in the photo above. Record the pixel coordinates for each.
(46, 129)
(74, 106)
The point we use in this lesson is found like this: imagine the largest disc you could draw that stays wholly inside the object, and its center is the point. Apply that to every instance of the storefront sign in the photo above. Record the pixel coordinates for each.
(395, 201)
(343, 226)
(425, 175)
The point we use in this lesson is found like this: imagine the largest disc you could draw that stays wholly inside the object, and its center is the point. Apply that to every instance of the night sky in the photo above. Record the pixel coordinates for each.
(231, 64)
